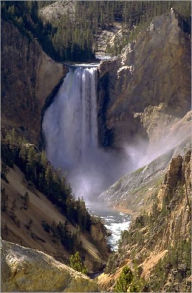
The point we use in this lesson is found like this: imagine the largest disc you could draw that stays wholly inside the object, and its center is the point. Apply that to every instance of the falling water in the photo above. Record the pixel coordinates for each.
(70, 123)
(71, 134)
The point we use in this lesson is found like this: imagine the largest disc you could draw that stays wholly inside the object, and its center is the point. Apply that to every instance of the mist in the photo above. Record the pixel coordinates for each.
(102, 168)
(71, 133)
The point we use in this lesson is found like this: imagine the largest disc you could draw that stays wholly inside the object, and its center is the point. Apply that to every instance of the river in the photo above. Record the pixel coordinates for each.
(70, 127)
(115, 222)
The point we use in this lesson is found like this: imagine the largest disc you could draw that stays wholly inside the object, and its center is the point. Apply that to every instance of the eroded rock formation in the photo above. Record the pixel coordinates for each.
(158, 240)
(28, 78)
(29, 270)
(133, 190)
(147, 87)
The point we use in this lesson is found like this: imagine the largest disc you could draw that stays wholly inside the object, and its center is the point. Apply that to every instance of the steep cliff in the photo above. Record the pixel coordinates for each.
(30, 270)
(158, 241)
(56, 10)
(147, 87)
(134, 190)
(28, 78)
(30, 219)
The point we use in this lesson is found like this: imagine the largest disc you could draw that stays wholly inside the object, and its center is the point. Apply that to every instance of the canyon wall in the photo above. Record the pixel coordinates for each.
(158, 241)
(28, 77)
(136, 189)
(29, 222)
(147, 87)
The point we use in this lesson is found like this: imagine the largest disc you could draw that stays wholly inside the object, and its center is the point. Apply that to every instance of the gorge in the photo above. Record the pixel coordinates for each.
(70, 128)
(96, 146)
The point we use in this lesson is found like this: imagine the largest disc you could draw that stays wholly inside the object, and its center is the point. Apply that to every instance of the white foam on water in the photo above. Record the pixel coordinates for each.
(115, 222)
(116, 230)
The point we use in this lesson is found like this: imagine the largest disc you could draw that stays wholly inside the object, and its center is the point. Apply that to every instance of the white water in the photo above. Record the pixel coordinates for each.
(70, 123)
(71, 133)
(115, 222)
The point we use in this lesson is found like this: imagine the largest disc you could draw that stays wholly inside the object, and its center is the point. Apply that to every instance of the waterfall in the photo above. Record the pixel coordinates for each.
(71, 134)
(70, 123)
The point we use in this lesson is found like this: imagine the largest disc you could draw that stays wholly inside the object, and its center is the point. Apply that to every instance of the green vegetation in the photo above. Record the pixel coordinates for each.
(177, 261)
(82, 285)
(77, 264)
(151, 230)
(124, 280)
(74, 38)
(62, 232)
(38, 172)
(137, 15)
(138, 171)
(129, 281)
(33, 163)
(112, 263)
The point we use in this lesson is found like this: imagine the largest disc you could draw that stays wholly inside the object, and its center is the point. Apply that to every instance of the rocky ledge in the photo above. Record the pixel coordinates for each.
(29, 270)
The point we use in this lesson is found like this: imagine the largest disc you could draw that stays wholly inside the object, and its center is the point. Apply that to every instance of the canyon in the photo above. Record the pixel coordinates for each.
(118, 129)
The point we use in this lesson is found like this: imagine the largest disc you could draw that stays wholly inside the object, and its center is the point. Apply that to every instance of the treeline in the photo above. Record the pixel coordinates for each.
(73, 37)
(70, 240)
(137, 15)
(15, 150)
(24, 15)
(62, 40)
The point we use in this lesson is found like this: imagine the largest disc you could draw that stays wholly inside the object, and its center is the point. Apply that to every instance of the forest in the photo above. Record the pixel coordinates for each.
(124, 144)
(33, 163)
(74, 39)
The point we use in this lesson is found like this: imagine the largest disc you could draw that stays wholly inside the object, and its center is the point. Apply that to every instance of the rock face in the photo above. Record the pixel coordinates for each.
(28, 78)
(57, 10)
(105, 38)
(133, 191)
(30, 270)
(158, 240)
(30, 225)
(147, 88)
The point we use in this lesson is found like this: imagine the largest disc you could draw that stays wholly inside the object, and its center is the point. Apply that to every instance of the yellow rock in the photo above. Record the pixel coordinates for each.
(26, 269)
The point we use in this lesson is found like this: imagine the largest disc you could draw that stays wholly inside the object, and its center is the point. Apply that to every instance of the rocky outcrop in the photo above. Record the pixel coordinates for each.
(29, 270)
(36, 224)
(58, 9)
(134, 190)
(147, 87)
(158, 240)
(105, 39)
(28, 78)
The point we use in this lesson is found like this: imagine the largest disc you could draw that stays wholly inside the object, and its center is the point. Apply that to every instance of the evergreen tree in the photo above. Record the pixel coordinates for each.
(74, 38)
(124, 280)
(77, 264)
(26, 201)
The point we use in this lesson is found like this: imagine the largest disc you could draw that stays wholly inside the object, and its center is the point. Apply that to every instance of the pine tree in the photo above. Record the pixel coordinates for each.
(76, 263)
(124, 280)
(26, 200)
(48, 178)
